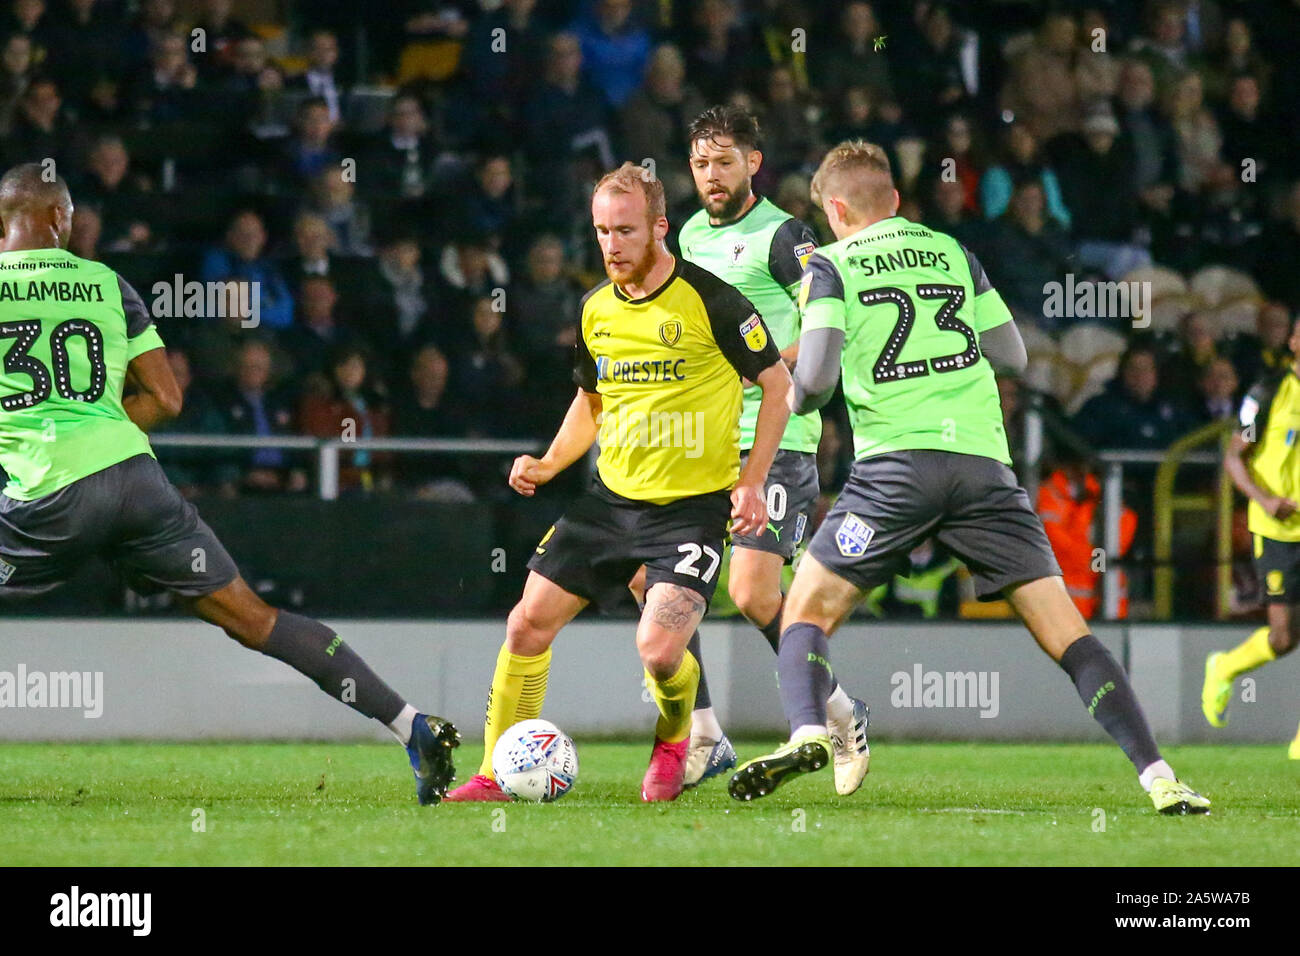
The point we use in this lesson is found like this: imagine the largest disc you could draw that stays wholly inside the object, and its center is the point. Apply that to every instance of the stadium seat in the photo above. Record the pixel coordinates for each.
(1215, 285)
(1168, 311)
(1235, 317)
(1164, 281)
(366, 109)
(435, 60)
(1084, 342)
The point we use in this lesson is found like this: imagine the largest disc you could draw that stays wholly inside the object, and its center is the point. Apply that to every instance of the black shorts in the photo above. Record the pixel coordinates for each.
(130, 515)
(603, 538)
(1278, 565)
(792, 488)
(970, 504)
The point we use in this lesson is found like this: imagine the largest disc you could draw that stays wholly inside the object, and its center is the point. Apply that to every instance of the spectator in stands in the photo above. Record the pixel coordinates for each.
(1247, 133)
(28, 17)
(320, 79)
(251, 72)
(15, 74)
(1264, 353)
(468, 270)
(318, 331)
(1068, 500)
(421, 410)
(853, 60)
(194, 470)
(1020, 161)
(156, 21)
(40, 130)
(252, 405)
(1216, 396)
(1197, 134)
(934, 83)
(309, 152)
(1040, 90)
(85, 43)
(351, 408)
(1024, 250)
(1096, 69)
(1189, 357)
(718, 60)
(164, 89)
(614, 48)
(1225, 222)
(858, 119)
(542, 318)
(567, 118)
(487, 376)
(397, 296)
(946, 211)
(1131, 413)
(313, 254)
(1278, 274)
(500, 76)
(242, 257)
(488, 206)
(222, 32)
(332, 196)
(115, 192)
(957, 155)
(1097, 185)
(655, 120)
(1154, 144)
(1163, 45)
(399, 162)
(87, 228)
(1238, 57)
(790, 139)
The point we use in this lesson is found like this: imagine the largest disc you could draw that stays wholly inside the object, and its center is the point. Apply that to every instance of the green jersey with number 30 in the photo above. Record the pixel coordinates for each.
(912, 304)
(763, 254)
(68, 328)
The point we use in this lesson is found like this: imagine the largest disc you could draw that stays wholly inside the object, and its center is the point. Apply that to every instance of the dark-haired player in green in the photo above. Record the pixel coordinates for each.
(761, 250)
(84, 483)
(910, 319)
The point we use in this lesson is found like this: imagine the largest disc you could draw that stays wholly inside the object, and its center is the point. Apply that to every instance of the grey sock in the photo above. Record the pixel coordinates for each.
(773, 634)
(312, 649)
(805, 672)
(1105, 689)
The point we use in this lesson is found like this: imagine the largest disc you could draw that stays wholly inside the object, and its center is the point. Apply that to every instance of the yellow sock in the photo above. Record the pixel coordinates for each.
(1253, 652)
(675, 698)
(518, 690)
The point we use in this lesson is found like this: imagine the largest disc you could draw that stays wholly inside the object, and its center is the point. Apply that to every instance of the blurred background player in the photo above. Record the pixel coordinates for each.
(83, 480)
(1271, 480)
(661, 351)
(750, 243)
(910, 318)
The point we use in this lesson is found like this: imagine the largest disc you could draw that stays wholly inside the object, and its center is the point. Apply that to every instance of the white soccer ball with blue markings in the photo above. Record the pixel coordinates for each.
(535, 761)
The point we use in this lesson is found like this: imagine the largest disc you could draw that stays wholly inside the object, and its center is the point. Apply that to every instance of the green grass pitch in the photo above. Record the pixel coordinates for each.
(353, 804)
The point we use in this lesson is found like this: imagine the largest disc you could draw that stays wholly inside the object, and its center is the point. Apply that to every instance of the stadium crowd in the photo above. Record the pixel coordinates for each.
(407, 184)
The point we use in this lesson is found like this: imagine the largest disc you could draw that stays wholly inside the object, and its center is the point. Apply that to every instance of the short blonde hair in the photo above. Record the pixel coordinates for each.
(630, 178)
(858, 172)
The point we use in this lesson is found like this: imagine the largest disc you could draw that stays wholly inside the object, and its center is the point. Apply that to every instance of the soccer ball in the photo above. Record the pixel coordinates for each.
(535, 761)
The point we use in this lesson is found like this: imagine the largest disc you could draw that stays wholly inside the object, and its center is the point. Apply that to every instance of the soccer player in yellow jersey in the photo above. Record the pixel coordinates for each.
(1270, 423)
(661, 353)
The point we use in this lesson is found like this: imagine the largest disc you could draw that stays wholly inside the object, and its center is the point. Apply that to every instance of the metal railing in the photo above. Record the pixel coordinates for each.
(327, 450)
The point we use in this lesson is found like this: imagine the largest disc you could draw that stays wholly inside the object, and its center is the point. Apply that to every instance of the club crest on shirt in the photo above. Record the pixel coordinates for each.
(754, 334)
(853, 536)
(737, 250)
(803, 252)
(670, 332)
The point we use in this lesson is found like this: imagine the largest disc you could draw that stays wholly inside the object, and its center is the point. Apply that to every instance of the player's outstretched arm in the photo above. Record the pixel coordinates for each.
(748, 504)
(158, 396)
(578, 432)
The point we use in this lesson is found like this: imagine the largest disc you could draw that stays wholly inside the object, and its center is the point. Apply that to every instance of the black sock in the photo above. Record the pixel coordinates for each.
(773, 634)
(805, 673)
(702, 699)
(312, 649)
(1105, 690)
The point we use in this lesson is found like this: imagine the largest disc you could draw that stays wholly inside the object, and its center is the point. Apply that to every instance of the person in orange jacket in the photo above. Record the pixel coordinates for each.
(1067, 504)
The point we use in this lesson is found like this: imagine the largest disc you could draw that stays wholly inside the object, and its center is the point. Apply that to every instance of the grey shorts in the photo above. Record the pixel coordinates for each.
(971, 505)
(792, 488)
(130, 515)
